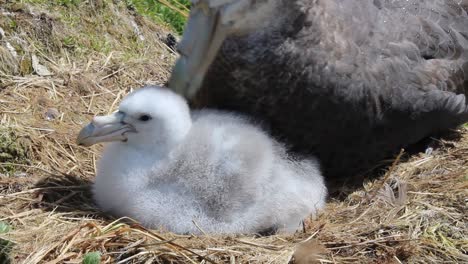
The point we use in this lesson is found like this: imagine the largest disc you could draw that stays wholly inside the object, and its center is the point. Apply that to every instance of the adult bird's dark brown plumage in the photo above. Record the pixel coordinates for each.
(349, 81)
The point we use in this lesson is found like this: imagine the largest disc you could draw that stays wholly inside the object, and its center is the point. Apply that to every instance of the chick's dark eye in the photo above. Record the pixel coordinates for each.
(144, 118)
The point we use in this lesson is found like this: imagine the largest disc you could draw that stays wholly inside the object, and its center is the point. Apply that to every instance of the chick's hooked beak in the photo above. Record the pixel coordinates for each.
(105, 129)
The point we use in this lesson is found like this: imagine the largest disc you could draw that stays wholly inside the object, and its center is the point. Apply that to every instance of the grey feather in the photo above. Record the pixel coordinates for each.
(349, 81)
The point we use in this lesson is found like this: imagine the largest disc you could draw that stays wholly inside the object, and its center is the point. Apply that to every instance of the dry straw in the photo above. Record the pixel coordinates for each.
(416, 213)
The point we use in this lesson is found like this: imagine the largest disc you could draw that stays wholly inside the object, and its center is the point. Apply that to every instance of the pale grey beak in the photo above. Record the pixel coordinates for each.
(203, 36)
(105, 129)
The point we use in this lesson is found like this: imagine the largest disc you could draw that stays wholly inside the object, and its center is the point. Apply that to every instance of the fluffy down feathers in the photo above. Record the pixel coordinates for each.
(225, 174)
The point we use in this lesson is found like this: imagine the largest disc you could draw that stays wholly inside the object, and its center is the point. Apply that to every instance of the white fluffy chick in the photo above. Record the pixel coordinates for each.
(211, 171)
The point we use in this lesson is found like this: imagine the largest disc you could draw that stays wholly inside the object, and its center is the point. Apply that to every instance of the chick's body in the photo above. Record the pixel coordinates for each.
(225, 175)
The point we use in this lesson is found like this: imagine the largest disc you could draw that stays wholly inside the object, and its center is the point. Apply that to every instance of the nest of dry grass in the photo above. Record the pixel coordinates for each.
(415, 212)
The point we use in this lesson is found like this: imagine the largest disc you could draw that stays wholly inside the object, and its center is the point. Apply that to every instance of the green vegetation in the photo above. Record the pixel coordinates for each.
(170, 12)
(14, 150)
(92, 258)
(66, 3)
(82, 34)
(5, 245)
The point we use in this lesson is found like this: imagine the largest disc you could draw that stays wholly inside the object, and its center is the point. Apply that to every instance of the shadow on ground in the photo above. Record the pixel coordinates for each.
(340, 188)
(65, 193)
(5, 248)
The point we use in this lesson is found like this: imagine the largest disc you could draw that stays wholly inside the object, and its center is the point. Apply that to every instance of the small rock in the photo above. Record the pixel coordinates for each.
(40, 69)
(429, 151)
(308, 252)
(20, 174)
(51, 114)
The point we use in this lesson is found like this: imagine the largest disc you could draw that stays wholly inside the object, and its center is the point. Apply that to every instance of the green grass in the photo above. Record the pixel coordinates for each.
(81, 27)
(92, 258)
(13, 149)
(5, 245)
(172, 13)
